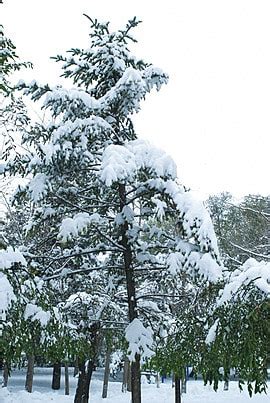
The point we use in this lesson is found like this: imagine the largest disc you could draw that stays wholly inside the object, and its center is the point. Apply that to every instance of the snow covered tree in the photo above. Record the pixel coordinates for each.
(97, 192)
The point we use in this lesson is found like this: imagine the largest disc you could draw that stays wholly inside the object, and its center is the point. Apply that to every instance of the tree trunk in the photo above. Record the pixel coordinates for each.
(131, 292)
(30, 373)
(85, 375)
(184, 380)
(66, 379)
(86, 371)
(5, 374)
(56, 378)
(158, 380)
(226, 385)
(177, 390)
(126, 372)
(106, 373)
(129, 377)
(76, 367)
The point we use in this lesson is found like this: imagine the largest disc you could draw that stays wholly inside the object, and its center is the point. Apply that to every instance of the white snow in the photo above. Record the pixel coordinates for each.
(140, 340)
(211, 336)
(72, 227)
(6, 294)
(35, 312)
(122, 163)
(38, 186)
(252, 273)
(10, 256)
(196, 393)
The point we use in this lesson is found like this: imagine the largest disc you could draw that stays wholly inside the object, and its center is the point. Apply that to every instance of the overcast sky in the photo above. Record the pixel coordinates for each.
(214, 115)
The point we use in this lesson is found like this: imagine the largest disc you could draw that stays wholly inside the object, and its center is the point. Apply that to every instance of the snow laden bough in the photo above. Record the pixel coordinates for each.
(240, 331)
(7, 259)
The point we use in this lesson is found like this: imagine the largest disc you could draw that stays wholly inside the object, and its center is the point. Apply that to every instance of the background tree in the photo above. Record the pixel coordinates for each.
(242, 228)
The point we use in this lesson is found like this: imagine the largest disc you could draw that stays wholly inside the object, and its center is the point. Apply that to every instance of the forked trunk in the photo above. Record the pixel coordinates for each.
(86, 368)
(85, 375)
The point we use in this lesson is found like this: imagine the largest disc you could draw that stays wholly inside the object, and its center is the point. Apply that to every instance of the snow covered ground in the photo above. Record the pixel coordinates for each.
(197, 393)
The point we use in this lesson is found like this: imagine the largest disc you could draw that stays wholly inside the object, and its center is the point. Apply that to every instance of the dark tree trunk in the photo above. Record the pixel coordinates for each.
(29, 373)
(106, 373)
(177, 390)
(66, 379)
(56, 378)
(129, 377)
(132, 303)
(86, 371)
(85, 375)
(126, 385)
(76, 367)
(5, 374)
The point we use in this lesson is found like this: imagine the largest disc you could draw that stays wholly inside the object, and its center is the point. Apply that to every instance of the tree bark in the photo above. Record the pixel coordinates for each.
(30, 373)
(125, 375)
(5, 374)
(76, 367)
(131, 292)
(184, 381)
(129, 377)
(106, 373)
(86, 371)
(177, 390)
(158, 380)
(56, 378)
(66, 379)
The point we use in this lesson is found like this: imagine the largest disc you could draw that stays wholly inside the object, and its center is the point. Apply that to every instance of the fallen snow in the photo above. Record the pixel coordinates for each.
(196, 393)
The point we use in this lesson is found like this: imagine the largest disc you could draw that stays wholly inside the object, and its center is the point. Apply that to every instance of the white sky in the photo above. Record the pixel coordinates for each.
(214, 115)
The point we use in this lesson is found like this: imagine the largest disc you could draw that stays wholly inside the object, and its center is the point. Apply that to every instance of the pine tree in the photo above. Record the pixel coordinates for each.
(97, 193)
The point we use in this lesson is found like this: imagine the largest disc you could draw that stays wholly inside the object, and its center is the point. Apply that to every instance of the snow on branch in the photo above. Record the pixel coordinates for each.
(6, 294)
(194, 262)
(120, 163)
(10, 256)
(7, 258)
(34, 312)
(252, 273)
(72, 227)
(38, 186)
(140, 340)
(212, 333)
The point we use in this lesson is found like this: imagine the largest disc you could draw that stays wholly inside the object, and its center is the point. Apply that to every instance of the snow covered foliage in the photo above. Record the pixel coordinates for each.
(241, 282)
(140, 340)
(7, 259)
(10, 256)
(239, 334)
